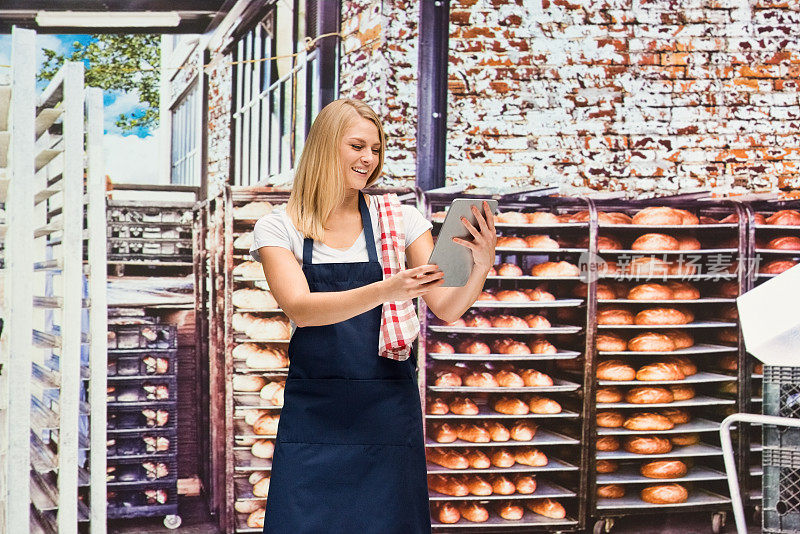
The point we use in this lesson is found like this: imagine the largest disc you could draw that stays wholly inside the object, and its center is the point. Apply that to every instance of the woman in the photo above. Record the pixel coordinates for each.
(349, 456)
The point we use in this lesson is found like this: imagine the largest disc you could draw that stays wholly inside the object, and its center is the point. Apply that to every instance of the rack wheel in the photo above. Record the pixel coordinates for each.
(717, 522)
(603, 525)
(172, 521)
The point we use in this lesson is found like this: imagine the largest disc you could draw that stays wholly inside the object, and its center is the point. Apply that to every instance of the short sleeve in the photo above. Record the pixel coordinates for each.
(270, 231)
(416, 224)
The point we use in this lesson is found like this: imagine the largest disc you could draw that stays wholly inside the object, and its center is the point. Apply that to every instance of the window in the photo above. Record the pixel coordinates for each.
(185, 156)
(274, 101)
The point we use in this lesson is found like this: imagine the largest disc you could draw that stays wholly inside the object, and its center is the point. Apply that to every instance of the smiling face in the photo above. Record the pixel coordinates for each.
(359, 152)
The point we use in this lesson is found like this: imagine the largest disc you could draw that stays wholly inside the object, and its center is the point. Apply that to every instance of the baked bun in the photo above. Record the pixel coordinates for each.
(253, 298)
(542, 217)
(682, 440)
(681, 338)
(469, 346)
(447, 485)
(580, 216)
(784, 218)
(510, 511)
(687, 217)
(543, 405)
(609, 394)
(542, 346)
(607, 443)
(611, 491)
(539, 294)
(439, 347)
(530, 456)
(510, 242)
(610, 342)
(651, 342)
(506, 345)
(508, 269)
(648, 395)
(478, 485)
(248, 383)
(687, 242)
(509, 379)
(248, 507)
(777, 266)
(606, 466)
(648, 421)
(604, 292)
(473, 433)
(683, 290)
(661, 316)
(534, 378)
(536, 321)
(503, 458)
(610, 418)
(650, 292)
(523, 431)
(665, 494)
(551, 268)
(658, 216)
(444, 433)
(728, 335)
(648, 266)
(447, 513)
(477, 459)
(605, 242)
(511, 217)
(447, 380)
(729, 362)
(547, 508)
(486, 295)
(541, 242)
(263, 448)
(681, 393)
(508, 321)
(784, 243)
(705, 219)
(614, 316)
(647, 445)
(249, 269)
(480, 379)
(525, 484)
(655, 242)
(449, 458)
(463, 406)
(686, 365)
(619, 217)
(266, 425)
(678, 416)
(664, 469)
(615, 370)
(477, 321)
(659, 371)
(510, 406)
(729, 289)
(256, 518)
(436, 406)
(511, 295)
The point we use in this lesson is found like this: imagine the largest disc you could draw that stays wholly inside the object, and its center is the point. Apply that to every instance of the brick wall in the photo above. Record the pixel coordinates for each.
(219, 74)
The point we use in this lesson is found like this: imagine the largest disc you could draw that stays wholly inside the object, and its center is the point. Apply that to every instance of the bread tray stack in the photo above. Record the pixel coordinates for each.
(149, 232)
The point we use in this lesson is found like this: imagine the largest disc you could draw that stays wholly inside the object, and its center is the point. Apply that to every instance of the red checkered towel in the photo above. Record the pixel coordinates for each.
(399, 322)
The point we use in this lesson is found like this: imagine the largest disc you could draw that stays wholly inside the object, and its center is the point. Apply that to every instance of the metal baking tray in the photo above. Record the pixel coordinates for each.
(649, 277)
(252, 400)
(695, 425)
(535, 278)
(689, 451)
(241, 525)
(542, 437)
(560, 303)
(553, 464)
(700, 348)
(245, 462)
(699, 400)
(244, 491)
(778, 251)
(697, 497)
(527, 225)
(240, 367)
(787, 227)
(650, 252)
(529, 520)
(766, 276)
(756, 470)
(696, 324)
(238, 278)
(544, 490)
(555, 329)
(560, 355)
(243, 430)
(242, 339)
(756, 446)
(756, 400)
(629, 474)
(484, 412)
(558, 386)
(659, 227)
(258, 310)
(704, 300)
(701, 377)
(541, 251)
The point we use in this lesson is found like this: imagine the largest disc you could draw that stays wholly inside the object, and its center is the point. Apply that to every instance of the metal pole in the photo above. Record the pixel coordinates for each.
(328, 21)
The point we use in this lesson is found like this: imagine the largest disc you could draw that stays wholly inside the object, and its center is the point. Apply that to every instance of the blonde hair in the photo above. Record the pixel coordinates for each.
(319, 183)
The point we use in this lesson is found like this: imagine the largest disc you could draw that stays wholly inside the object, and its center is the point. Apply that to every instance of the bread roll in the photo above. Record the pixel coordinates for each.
(658, 216)
(256, 518)
(447, 485)
(606, 466)
(258, 357)
(611, 491)
(511, 217)
(609, 394)
(604, 291)
(687, 218)
(501, 485)
(541, 242)
(648, 395)
(444, 433)
(542, 346)
(525, 484)
(777, 266)
(254, 299)
(448, 458)
(447, 380)
(510, 406)
(605, 242)
(463, 406)
(472, 433)
(439, 347)
(539, 294)
(677, 415)
(506, 345)
(650, 292)
(486, 295)
(681, 338)
(248, 383)
(651, 342)
(534, 378)
(550, 268)
(580, 216)
(665, 494)
(784, 243)
(648, 266)
(547, 508)
(477, 321)
(683, 290)
(614, 316)
(469, 346)
(473, 511)
(619, 218)
(497, 431)
(477, 459)
(543, 405)
(248, 506)
(728, 362)
(261, 488)
(682, 440)
(240, 321)
(687, 242)
(659, 371)
(269, 328)
(249, 269)
(784, 218)
(536, 321)
(610, 342)
(648, 421)
(503, 458)
(510, 242)
(686, 365)
(509, 379)
(511, 295)
(610, 418)
(647, 445)
(664, 469)
(705, 219)
(607, 443)
(263, 448)
(523, 431)
(436, 406)
(661, 316)
(480, 380)
(681, 393)
(478, 485)
(529, 456)
(655, 242)
(447, 513)
(542, 217)
(615, 370)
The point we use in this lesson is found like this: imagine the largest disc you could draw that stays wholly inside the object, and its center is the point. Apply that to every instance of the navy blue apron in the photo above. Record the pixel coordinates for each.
(349, 455)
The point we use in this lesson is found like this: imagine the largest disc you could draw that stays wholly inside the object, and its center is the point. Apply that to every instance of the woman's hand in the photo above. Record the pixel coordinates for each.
(412, 283)
(484, 238)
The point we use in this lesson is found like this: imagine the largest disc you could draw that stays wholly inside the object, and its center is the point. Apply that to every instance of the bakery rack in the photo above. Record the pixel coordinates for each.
(768, 467)
(560, 435)
(706, 476)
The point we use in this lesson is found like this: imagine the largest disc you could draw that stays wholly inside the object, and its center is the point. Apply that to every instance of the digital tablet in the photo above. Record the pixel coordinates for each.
(455, 260)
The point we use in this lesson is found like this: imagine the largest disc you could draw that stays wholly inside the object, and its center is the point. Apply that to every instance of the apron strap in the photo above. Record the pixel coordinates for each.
(369, 237)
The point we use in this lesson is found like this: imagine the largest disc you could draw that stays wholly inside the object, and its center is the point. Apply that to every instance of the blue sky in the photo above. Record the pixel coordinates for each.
(130, 158)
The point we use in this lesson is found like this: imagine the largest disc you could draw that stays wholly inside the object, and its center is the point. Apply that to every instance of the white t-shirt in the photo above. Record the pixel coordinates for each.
(276, 230)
